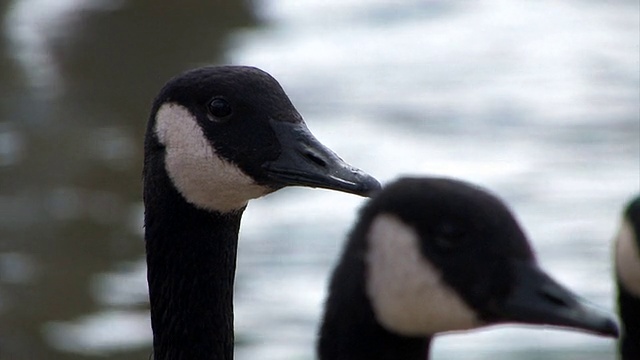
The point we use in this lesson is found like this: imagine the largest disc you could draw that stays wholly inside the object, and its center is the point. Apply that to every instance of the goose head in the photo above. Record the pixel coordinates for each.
(432, 255)
(226, 134)
(466, 260)
(628, 249)
(627, 261)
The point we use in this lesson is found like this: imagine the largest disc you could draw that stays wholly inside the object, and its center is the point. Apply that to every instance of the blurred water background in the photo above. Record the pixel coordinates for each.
(536, 100)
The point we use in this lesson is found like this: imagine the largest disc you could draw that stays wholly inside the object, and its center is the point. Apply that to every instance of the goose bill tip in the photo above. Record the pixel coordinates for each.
(609, 328)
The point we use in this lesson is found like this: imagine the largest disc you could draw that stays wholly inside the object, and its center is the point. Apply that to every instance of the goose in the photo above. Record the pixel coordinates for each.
(627, 259)
(431, 255)
(218, 136)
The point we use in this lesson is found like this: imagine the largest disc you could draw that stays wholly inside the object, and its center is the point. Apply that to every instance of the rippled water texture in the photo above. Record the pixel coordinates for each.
(538, 101)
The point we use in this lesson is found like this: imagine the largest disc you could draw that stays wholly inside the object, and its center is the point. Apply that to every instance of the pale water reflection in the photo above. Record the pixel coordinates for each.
(536, 100)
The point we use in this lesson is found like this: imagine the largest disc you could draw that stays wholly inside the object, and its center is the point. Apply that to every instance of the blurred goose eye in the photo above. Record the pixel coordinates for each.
(219, 107)
(449, 237)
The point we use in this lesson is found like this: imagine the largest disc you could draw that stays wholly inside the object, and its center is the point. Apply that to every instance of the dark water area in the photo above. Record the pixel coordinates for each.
(75, 95)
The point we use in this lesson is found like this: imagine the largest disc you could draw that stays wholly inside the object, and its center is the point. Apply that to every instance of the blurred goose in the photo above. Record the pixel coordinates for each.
(216, 138)
(627, 256)
(431, 255)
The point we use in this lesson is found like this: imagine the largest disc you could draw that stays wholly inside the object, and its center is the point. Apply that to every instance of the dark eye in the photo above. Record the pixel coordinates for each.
(449, 237)
(219, 107)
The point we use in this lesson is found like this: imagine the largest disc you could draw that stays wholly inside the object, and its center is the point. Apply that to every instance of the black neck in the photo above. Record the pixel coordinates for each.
(344, 337)
(629, 306)
(191, 261)
(349, 329)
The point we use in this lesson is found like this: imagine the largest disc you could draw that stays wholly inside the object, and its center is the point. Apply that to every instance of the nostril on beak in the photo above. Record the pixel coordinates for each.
(555, 298)
(315, 159)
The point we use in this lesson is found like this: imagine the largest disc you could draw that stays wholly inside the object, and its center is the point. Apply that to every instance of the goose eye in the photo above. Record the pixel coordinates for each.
(449, 237)
(219, 107)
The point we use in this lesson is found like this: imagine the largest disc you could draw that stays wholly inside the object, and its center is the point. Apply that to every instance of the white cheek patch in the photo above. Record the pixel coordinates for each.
(200, 175)
(407, 293)
(628, 258)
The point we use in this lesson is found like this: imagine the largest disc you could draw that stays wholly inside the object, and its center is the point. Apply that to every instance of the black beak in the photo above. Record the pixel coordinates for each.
(538, 299)
(304, 161)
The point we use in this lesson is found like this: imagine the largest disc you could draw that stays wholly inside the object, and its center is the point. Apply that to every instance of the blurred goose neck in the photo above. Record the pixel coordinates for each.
(629, 307)
(344, 337)
(350, 330)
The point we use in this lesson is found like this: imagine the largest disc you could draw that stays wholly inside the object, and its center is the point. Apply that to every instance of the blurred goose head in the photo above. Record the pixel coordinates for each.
(432, 255)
